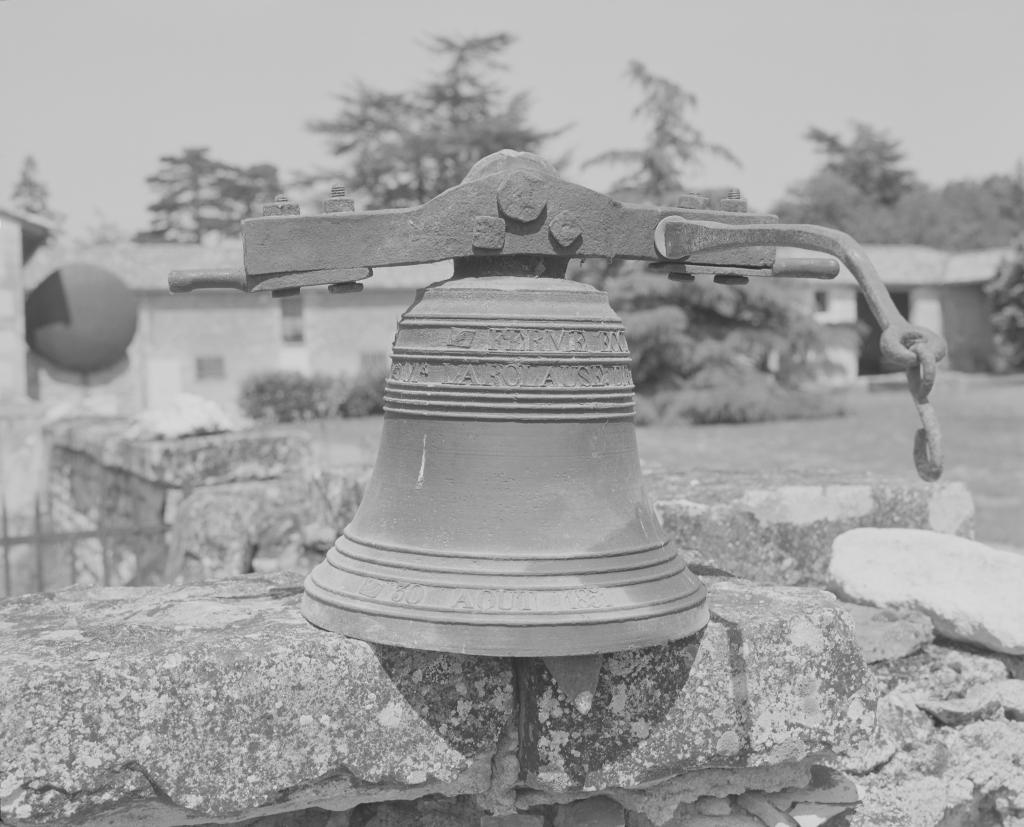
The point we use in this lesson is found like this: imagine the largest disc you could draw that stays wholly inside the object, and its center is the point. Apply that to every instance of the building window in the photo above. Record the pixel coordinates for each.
(209, 367)
(292, 330)
(821, 301)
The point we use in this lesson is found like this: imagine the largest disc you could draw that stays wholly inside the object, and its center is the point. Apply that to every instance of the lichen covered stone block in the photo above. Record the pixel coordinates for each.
(180, 704)
(224, 530)
(182, 463)
(776, 678)
(778, 527)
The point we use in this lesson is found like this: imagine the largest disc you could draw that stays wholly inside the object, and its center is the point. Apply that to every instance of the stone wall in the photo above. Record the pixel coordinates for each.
(215, 702)
(218, 702)
(770, 527)
(257, 501)
(134, 489)
(778, 526)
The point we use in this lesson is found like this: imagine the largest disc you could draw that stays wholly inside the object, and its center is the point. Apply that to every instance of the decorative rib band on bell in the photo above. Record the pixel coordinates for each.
(506, 513)
(511, 348)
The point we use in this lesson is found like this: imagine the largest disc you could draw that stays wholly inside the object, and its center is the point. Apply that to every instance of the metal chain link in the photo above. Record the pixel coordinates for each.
(915, 349)
(918, 351)
(928, 439)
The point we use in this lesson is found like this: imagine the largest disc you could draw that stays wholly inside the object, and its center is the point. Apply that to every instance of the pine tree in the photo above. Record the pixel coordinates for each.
(30, 193)
(673, 147)
(198, 195)
(403, 148)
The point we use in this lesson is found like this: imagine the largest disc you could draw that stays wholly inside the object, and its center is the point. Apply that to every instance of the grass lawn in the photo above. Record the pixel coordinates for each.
(983, 429)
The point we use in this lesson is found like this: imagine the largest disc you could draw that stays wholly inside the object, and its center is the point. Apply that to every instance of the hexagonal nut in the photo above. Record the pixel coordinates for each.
(693, 201)
(565, 228)
(489, 232)
(339, 204)
(522, 196)
(733, 204)
(275, 208)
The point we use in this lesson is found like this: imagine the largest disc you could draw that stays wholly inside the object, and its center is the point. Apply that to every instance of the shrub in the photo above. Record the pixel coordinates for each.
(753, 400)
(365, 395)
(287, 396)
(646, 411)
(677, 331)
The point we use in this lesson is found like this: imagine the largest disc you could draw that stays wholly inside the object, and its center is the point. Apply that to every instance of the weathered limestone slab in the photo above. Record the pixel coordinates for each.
(778, 527)
(195, 460)
(220, 530)
(180, 704)
(775, 679)
(972, 593)
(888, 634)
(217, 701)
(285, 524)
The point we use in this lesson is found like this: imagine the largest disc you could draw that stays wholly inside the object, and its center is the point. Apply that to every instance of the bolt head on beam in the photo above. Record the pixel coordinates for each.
(522, 197)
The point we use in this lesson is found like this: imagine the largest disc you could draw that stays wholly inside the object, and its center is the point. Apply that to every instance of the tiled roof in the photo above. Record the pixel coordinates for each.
(910, 265)
(145, 267)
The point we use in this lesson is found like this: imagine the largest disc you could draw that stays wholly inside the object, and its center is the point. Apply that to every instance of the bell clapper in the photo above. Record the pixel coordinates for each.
(577, 678)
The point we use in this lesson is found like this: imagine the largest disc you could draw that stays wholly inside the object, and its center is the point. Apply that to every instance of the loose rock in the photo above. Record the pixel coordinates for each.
(959, 711)
(888, 634)
(971, 592)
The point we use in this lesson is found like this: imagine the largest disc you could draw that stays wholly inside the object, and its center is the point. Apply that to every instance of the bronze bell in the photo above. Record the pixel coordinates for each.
(506, 513)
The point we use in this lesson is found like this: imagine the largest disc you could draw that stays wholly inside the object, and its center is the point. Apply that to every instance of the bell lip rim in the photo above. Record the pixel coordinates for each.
(698, 617)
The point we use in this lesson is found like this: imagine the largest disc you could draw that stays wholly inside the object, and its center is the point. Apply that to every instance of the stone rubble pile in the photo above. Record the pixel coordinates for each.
(949, 749)
(972, 593)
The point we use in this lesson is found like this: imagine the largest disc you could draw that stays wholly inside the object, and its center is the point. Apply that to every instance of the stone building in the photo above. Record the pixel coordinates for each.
(940, 290)
(208, 343)
(21, 235)
(21, 458)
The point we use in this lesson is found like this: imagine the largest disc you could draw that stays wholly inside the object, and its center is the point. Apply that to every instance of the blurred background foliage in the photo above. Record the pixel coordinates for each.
(701, 351)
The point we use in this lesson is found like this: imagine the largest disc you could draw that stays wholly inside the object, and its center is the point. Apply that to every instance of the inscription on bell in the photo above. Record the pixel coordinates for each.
(511, 375)
(537, 340)
(484, 601)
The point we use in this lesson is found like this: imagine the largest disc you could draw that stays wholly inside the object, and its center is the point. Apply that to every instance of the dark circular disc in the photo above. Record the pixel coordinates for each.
(81, 318)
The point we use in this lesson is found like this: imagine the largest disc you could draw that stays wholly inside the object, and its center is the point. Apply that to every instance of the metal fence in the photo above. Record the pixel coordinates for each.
(38, 556)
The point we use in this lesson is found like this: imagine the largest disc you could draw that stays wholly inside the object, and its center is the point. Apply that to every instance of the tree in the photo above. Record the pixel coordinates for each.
(405, 147)
(870, 161)
(700, 335)
(198, 195)
(673, 146)
(1007, 295)
(30, 193)
(864, 190)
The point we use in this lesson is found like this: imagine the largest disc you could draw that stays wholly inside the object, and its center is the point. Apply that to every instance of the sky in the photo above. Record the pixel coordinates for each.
(98, 90)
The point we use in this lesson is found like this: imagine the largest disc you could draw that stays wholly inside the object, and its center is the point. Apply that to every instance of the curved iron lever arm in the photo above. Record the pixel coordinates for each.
(914, 348)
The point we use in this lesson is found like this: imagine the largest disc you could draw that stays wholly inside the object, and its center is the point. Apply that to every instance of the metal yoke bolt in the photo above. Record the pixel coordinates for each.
(733, 202)
(693, 201)
(281, 205)
(338, 202)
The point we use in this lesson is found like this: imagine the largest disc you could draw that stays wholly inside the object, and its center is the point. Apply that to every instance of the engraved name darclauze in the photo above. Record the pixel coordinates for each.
(512, 375)
(537, 340)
